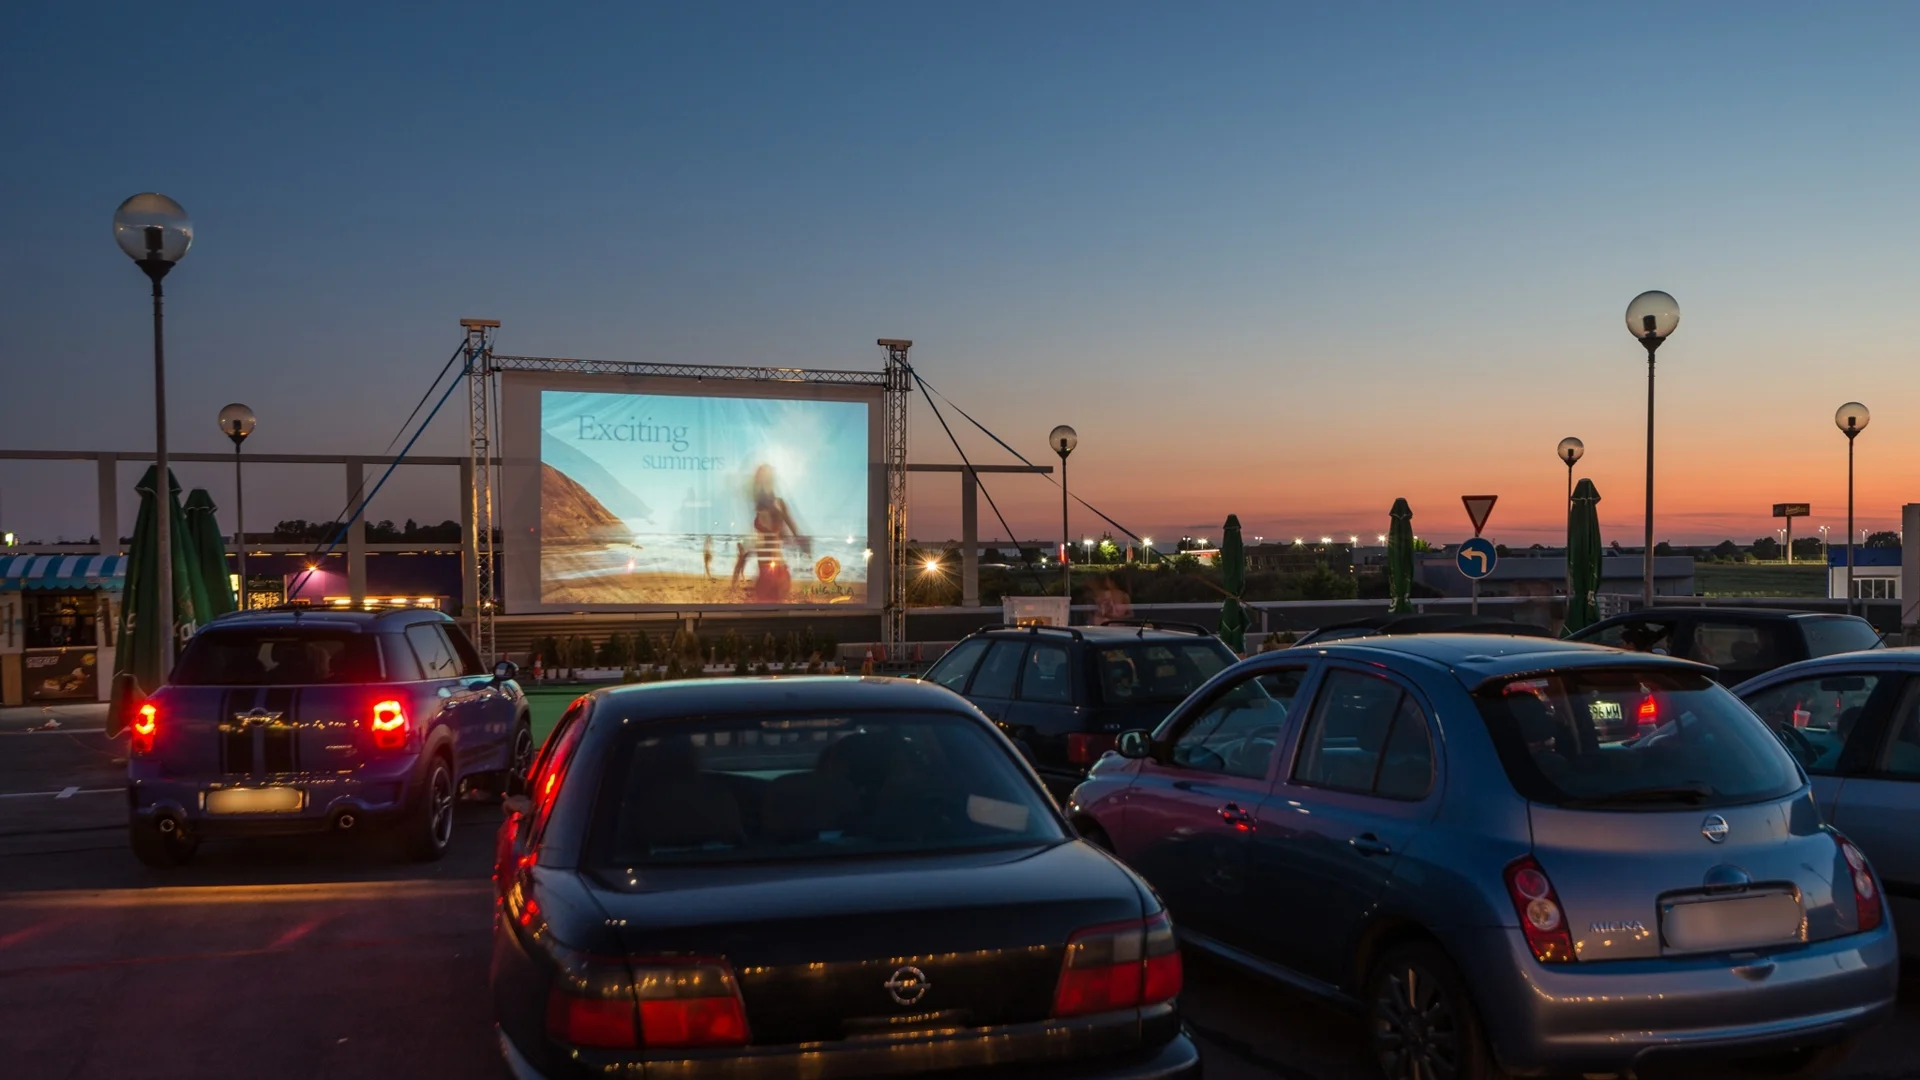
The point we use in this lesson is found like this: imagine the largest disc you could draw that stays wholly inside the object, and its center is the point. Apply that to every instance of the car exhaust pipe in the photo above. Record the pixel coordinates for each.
(167, 826)
(344, 821)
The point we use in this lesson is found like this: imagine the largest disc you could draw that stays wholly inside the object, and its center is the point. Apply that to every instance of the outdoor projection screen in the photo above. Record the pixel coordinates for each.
(629, 493)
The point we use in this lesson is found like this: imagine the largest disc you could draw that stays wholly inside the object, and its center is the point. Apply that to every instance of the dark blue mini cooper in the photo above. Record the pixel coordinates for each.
(290, 721)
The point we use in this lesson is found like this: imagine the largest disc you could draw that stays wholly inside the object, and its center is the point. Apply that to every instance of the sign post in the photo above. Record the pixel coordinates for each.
(1791, 511)
(1477, 557)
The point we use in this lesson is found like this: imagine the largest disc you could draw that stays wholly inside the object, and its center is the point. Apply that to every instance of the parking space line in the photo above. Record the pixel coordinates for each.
(62, 793)
(68, 792)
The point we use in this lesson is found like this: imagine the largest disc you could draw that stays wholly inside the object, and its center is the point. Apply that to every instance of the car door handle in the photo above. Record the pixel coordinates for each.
(1369, 844)
(1236, 817)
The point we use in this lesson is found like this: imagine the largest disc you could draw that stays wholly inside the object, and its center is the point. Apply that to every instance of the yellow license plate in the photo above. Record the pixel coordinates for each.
(266, 800)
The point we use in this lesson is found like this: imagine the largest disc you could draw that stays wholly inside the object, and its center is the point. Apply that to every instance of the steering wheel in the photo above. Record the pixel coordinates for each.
(1798, 745)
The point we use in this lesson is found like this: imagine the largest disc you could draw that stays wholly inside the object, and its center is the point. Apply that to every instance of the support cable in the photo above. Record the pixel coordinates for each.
(351, 512)
(976, 476)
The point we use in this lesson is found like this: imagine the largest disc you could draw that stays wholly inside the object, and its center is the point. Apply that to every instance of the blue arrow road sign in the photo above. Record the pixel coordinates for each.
(1476, 558)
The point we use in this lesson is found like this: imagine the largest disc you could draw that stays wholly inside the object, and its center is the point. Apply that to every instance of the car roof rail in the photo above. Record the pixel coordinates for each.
(1036, 628)
(1145, 625)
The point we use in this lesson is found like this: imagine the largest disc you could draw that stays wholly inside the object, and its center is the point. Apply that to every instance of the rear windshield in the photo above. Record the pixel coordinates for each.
(741, 789)
(1634, 740)
(277, 657)
(1830, 634)
(1158, 672)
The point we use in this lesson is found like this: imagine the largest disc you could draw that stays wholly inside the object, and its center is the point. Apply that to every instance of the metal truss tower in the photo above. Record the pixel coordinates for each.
(893, 623)
(480, 427)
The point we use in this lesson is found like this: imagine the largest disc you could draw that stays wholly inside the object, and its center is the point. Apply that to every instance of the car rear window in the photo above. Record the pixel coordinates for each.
(1830, 634)
(771, 788)
(1158, 672)
(1629, 740)
(294, 656)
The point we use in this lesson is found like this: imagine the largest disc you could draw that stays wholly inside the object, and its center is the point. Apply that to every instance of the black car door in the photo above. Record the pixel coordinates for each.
(1741, 648)
(1042, 714)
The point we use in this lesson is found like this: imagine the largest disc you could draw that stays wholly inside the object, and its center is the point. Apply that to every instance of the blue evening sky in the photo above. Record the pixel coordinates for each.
(1284, 260)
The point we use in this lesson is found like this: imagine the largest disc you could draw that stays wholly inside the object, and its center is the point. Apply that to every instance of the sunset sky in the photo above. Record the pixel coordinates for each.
(1284, 261)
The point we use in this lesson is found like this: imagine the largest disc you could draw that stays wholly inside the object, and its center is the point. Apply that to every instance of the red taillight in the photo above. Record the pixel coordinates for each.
(389, 725)
(1542, 919)
(1084, 748)
(146, 722)
(689, 1003)
(669, 1002)
(1866, 892)
(1119, 966)
(1649, 713)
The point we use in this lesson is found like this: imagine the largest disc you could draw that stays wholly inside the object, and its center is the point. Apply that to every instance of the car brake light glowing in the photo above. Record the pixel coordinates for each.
(1866, 894)
(1541, 917)
(1119, 966)
(389, 725)
(1649, 712)
(689, 1003)
(146, 723)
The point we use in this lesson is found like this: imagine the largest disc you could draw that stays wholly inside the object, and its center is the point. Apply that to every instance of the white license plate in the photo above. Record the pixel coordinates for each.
(1734, 922)
(266, 800)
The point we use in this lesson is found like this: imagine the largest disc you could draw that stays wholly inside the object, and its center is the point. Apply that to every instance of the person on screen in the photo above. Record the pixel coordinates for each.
(706, 555)
(772, 526)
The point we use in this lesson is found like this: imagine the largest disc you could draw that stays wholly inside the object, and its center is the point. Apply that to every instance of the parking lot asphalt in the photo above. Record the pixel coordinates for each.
(327, 958)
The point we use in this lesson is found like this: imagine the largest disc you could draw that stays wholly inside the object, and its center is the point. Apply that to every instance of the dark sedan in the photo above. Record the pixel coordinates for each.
(816, 876)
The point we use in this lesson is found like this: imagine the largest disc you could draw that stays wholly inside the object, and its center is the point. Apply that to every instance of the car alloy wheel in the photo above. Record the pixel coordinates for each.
(440, 807)
(1416, 1031)
(522, 759)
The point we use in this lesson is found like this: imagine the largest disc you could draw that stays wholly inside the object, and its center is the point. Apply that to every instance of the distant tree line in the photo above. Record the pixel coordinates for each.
(300, 530)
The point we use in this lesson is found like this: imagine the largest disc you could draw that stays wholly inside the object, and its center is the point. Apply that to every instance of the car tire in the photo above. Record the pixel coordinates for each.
(1807, 1061)
(520, 751)
(158, 850)
(428, 829)
(1421, 1020)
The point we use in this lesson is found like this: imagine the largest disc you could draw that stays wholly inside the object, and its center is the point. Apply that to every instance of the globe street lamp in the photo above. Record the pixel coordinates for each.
(1063, 439)
(155, 232)
(236, 423)
(1651, 318)
(1570, 451)
(1851, 419)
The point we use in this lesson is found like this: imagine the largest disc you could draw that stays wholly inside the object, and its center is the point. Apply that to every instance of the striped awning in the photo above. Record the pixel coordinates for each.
(69, 572)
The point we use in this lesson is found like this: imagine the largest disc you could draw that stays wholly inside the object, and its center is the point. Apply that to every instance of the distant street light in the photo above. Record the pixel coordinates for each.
(236, 423)
(1381, 537)
(1851, 419)
(1063, 439)
(155, 232)
(1570, 451)
(1651, 318)
(1146, 550)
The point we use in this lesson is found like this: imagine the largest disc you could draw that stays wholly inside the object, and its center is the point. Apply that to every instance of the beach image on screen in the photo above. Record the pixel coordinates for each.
(671, 499)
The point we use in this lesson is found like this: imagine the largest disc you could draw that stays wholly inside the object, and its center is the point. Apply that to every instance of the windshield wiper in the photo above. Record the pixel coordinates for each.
(1691, 794)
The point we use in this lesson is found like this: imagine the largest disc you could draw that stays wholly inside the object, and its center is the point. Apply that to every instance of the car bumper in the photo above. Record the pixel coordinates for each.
(1606, 1017)
(369, 798)
(1178, 1059)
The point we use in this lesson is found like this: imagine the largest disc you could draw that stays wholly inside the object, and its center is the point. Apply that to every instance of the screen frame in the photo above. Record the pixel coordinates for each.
(519, 478)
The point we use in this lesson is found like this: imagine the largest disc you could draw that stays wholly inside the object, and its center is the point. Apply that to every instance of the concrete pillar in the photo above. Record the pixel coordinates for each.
(969, 539)
(356, 533)
(1909, 571)
(109, 524)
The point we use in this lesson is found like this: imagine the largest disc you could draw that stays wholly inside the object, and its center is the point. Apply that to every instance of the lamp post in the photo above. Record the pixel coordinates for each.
(1063, 439)
(155, 232)
(1851, 419)
(236, 423)
(1570, 451)
(1651, 318)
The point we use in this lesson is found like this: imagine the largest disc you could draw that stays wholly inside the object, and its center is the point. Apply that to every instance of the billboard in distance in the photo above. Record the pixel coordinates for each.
(686, 500)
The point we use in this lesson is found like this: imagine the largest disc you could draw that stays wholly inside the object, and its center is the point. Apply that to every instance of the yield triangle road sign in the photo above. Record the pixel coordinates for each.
(1478, 508)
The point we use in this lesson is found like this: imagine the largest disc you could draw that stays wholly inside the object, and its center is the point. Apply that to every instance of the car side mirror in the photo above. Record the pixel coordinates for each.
(1134, 745)
(514, 806)
(505, 670)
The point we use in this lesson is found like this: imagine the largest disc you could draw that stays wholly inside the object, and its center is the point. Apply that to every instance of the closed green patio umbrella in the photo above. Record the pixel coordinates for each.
(1233, 578)
(210, 553)
(1400, 558)
(137, 644)
(1583, 557)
